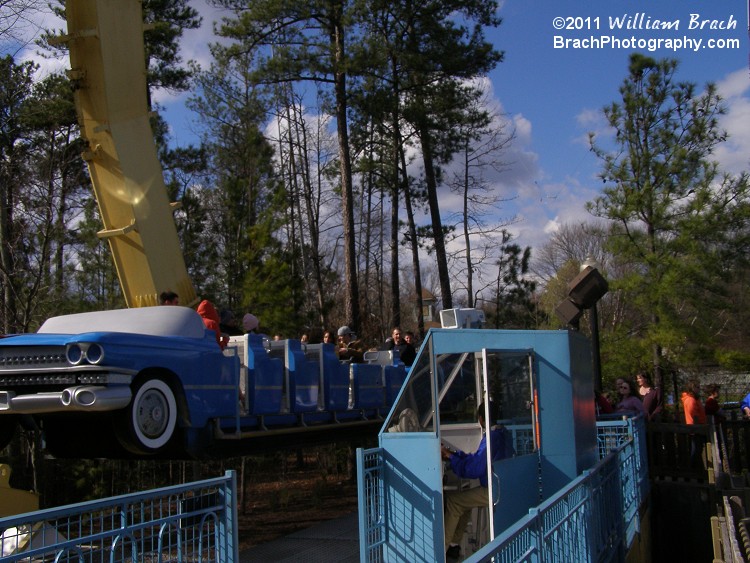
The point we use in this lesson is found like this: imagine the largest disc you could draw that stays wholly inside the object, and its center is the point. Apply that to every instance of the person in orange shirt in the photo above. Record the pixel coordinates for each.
(694, 414)
(691, 404)
(210, 317)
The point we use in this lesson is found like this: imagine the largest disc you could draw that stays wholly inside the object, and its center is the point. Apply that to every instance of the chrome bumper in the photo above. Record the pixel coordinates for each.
(83, 398)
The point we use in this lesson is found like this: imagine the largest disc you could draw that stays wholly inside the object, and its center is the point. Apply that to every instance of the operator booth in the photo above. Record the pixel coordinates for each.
(535, 380)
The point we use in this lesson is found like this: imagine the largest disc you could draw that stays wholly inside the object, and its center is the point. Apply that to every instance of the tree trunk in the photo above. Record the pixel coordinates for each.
(351, 297)
(395, 289)
(6, 253)
(437, 224)
(467, 238)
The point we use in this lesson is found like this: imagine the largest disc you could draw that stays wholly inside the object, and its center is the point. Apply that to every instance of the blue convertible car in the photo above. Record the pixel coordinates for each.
(155, 379)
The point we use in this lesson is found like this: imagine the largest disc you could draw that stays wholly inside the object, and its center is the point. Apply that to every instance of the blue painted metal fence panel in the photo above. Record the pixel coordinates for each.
(413, 497)
(192, 522)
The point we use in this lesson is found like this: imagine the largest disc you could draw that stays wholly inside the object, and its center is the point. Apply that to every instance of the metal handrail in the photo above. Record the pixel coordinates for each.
(195, 521)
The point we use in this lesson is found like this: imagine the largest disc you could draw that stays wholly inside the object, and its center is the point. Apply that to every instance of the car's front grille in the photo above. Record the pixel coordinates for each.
(12, 358)
(7, 381)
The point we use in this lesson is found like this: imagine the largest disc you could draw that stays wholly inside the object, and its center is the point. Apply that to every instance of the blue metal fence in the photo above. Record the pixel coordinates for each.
(371, 494)
(194, 522)
(594, 518)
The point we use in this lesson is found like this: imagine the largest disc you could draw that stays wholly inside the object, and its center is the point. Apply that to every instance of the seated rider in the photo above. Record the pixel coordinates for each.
(458, 504)
(228, 323)
(406, 351)
(210, 317)
(250, 323)
(349, 349)
(169, 298)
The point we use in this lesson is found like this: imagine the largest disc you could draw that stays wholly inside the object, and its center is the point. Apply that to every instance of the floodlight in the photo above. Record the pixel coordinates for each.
(568, 311)
(587, 288)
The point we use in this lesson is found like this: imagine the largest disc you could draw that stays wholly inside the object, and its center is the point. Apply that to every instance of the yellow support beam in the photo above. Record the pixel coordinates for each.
(108, 68)
(14, 501)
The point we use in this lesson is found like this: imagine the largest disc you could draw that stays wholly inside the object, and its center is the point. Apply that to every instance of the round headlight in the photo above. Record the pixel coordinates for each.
(74, 354)
(94, 353)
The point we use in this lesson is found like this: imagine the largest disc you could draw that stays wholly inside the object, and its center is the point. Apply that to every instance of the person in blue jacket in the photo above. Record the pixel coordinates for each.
(745, 406)
(458, 504)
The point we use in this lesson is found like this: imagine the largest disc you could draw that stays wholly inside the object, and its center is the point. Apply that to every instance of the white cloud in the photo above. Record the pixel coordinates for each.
(590, 118)
(546, 206)
(195, 42)
(735, 84)
(552, 226)
(734, 155)
(20, 43)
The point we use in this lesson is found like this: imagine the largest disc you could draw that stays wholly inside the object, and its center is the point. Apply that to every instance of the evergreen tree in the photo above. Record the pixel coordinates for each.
(94, 283)
(166, 21)
(442, 53)
(240, 246)
(15, 90)
(305, 41)
(512, 303)
(41, 180)
(418, 59)
(59, 185)
(673, 210)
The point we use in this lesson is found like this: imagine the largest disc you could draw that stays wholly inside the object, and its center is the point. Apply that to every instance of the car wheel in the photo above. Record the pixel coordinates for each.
(150, 418)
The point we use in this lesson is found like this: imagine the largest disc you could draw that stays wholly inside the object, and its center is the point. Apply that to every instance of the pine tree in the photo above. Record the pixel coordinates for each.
(674, 211)
(305, 41)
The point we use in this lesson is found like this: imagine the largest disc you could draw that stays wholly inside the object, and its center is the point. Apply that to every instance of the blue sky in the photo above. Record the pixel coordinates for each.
(552, 97)
(559, 92)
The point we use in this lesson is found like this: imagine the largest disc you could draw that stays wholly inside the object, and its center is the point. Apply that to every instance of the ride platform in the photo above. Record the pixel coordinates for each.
(333, 541)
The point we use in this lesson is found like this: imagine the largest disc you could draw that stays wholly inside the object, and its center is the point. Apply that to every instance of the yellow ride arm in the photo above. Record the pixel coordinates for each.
(108, 68)
(14, 501)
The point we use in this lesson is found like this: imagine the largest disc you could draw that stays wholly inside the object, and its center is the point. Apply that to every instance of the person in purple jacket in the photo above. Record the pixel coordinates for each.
(629, 401)
(458, 504)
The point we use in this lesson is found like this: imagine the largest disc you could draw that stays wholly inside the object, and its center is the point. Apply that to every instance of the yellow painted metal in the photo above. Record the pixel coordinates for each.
(105, 39)
(14, 501)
